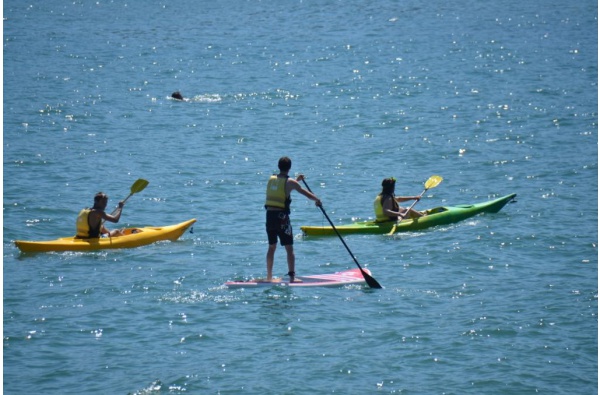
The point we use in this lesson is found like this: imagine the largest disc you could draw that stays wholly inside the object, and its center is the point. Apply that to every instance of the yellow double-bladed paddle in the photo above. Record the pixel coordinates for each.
(137, 186)
(433, 182)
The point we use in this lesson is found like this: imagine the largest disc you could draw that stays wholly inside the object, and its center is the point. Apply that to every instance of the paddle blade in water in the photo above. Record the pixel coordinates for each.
(371, 282)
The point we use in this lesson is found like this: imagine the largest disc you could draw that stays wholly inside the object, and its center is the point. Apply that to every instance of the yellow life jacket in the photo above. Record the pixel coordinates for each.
(276, 193)
(378, 206)
(84, 230)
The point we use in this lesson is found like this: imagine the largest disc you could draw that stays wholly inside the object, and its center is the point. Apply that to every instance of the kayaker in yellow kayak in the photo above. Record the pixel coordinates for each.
(386, 203)
(279, 188)
(90, 221)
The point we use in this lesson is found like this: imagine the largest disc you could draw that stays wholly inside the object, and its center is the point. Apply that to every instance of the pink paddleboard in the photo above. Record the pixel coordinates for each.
(338, 279)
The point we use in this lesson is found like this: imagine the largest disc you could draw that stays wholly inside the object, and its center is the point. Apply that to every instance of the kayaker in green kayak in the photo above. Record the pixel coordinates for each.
(90, 221)
(386, 203)
(277, 205)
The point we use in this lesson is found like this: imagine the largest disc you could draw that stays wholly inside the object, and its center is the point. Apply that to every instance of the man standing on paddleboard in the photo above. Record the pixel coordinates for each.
(279, 188)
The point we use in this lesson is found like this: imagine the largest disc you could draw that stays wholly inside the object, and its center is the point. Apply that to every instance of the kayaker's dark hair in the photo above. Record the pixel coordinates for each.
(100, 196)
(285, 163)
(388, 185)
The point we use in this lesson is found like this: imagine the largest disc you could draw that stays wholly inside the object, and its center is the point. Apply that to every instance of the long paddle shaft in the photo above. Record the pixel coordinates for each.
(371, 282)
(432, 182)
(136, 187)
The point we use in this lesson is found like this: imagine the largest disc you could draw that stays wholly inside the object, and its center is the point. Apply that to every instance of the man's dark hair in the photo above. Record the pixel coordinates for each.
(100, 196)
(285, 163)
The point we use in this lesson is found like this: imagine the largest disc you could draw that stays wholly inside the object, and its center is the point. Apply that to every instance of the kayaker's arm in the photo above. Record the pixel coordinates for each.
(391, 213)
(388, 208)
(115, 216)
(407, 198)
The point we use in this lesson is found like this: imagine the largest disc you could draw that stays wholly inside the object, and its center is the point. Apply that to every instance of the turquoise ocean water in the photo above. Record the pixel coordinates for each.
(496, 97)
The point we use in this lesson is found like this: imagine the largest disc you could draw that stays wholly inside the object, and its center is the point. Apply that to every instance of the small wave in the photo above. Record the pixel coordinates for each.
(207, 98)
(193, 297)
(204, 98)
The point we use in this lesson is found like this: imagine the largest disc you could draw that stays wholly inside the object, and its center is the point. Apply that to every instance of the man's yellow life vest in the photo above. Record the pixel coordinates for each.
(276, 193)
(84, 230)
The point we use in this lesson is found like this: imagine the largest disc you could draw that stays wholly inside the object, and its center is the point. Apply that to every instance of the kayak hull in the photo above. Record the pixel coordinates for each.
(443, 215)
(338, 279)
(133, 237)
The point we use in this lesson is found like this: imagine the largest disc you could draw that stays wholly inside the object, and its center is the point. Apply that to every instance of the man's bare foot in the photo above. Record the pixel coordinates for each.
(266, 280)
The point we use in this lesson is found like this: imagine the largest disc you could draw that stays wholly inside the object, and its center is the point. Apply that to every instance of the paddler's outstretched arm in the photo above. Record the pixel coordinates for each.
(114, 217)
(402, 212)
(400, 199)
(295, 186)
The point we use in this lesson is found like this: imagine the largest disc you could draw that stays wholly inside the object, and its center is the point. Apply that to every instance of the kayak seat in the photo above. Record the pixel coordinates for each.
(131, 231)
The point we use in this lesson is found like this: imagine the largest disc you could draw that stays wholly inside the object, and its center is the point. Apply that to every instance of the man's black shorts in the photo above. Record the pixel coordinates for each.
(279, 225)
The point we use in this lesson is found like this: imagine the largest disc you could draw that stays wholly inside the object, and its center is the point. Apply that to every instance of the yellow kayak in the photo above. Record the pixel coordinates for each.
(133, 237)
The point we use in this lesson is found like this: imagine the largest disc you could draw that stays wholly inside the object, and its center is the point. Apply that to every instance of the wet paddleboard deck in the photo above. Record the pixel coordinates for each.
(338, 279)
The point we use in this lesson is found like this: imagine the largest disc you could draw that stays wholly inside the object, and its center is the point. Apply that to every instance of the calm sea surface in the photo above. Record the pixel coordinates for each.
(496, 97)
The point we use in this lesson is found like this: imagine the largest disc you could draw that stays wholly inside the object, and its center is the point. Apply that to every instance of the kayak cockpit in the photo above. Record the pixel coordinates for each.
(436, 210)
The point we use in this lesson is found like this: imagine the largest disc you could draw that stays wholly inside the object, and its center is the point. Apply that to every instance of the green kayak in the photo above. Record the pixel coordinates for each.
(436, 216)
